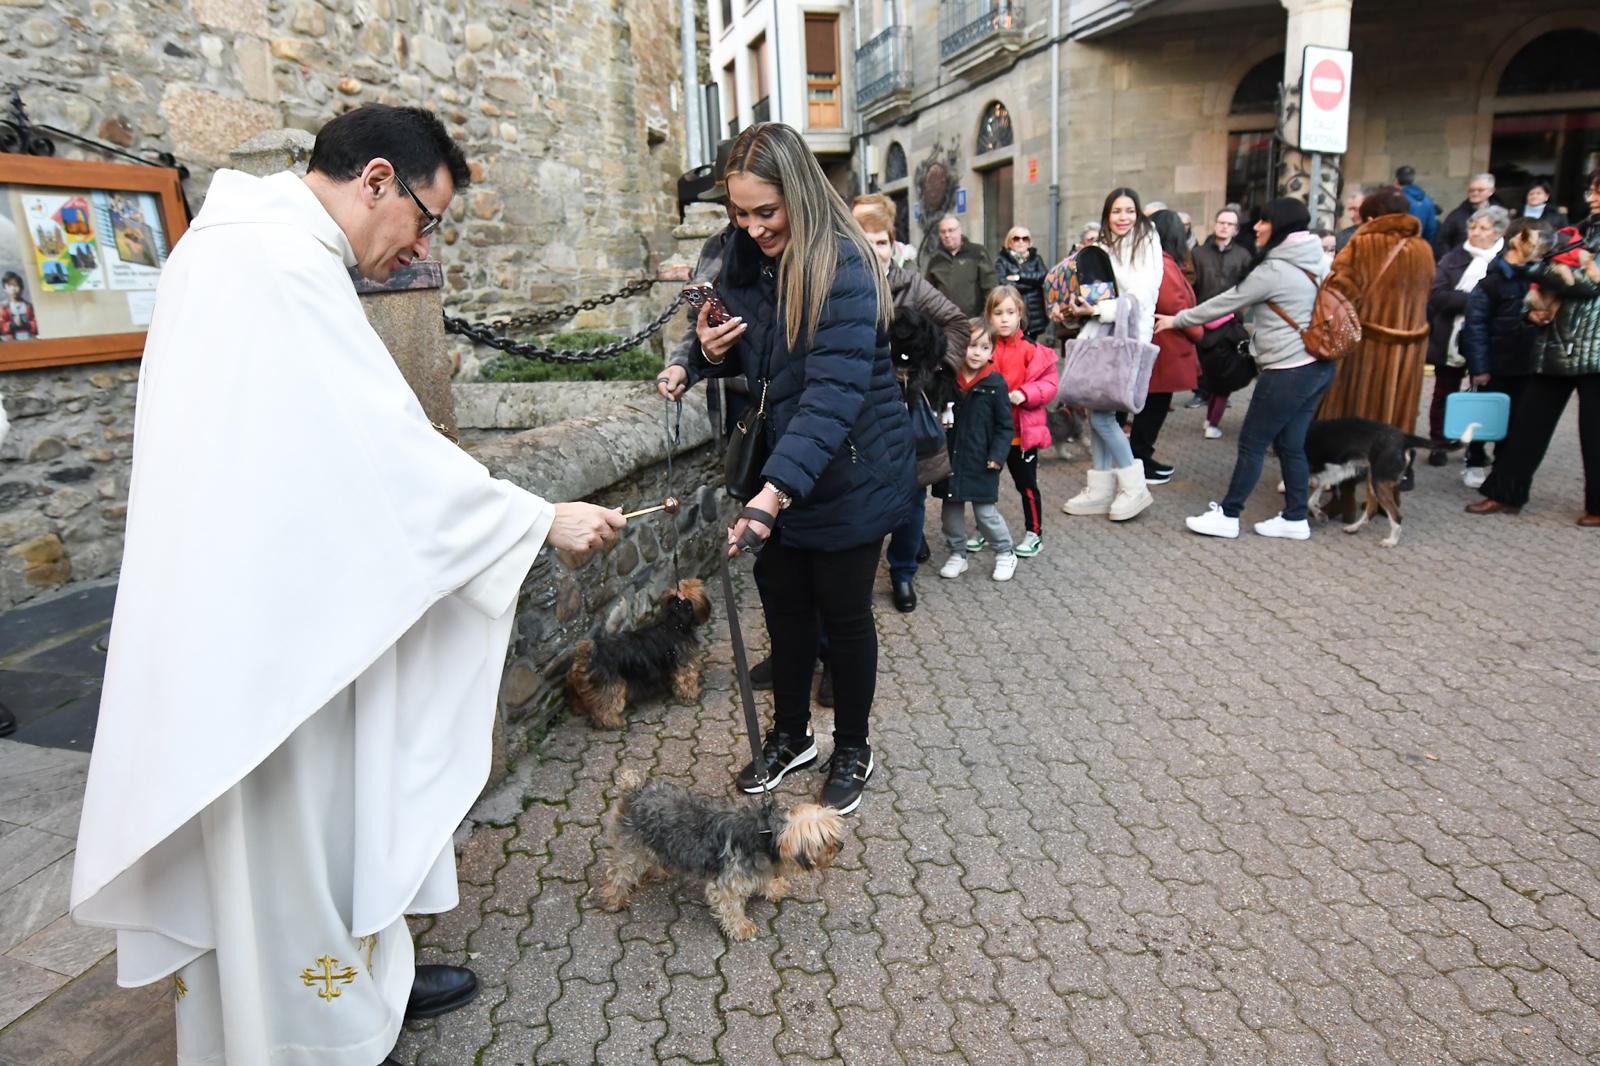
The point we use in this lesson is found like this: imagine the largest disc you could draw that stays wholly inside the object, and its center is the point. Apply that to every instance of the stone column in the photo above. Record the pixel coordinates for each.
(1325, 23)
(406, 311)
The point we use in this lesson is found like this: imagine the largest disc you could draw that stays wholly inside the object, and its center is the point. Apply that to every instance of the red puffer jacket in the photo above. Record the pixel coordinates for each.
(1177, 367)
(1031, 368)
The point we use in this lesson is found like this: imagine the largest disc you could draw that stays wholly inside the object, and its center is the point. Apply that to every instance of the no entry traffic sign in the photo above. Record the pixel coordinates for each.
(1325, 100)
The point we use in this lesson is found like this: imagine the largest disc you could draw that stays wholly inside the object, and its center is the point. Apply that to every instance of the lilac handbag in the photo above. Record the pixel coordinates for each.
(1110, 372)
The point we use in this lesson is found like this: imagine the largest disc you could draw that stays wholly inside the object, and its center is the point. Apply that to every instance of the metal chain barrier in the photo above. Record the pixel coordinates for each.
(491, 333)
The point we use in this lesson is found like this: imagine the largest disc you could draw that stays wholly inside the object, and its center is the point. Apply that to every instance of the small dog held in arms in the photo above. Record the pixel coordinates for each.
(1343, 449)
(659, 830)
(661, 652)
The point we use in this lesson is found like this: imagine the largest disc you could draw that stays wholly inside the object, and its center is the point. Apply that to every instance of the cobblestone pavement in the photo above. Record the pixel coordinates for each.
(1160, 799)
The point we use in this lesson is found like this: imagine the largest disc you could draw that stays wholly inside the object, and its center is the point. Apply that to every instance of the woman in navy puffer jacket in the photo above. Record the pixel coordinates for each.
(809, 328)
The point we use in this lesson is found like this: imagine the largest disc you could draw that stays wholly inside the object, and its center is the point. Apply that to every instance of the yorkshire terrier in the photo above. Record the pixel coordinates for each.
(657, 830)
(662, 651)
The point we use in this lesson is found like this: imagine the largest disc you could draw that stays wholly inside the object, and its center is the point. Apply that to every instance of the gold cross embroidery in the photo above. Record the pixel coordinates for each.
(179, 989)
(369, 943)
(328, 978)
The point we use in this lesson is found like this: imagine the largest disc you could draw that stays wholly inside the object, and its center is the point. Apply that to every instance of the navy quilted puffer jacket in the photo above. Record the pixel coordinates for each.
(839, 434)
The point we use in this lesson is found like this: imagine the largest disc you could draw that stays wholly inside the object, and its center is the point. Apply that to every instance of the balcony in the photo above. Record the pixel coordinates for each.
(980, 37)
(883, 75)
(761, 111)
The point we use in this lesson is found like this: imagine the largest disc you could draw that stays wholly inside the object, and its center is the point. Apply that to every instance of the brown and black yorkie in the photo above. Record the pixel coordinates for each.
(662, 651)
(658, 830)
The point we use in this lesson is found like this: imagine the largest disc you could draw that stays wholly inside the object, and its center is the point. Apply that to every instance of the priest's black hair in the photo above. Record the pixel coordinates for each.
(411, 138)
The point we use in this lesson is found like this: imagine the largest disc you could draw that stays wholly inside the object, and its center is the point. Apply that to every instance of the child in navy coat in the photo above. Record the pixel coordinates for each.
(977, 412)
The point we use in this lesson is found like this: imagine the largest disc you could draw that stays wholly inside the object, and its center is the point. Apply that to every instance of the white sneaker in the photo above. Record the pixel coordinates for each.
(1474, 476)
(1004, 566)
(1281, 489)
(954, 566)
(1278, 526)
(1214, 523)
(1212, 432)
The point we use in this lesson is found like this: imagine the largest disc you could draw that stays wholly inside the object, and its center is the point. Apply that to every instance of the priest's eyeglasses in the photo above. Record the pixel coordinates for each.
(433, 220)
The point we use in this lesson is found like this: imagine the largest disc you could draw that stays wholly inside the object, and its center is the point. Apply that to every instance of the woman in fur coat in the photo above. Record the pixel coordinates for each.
(1386, 270)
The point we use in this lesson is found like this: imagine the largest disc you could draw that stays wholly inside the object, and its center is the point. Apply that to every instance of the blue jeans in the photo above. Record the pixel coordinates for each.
(1280, 412)
(1108, 445)
(905, 540)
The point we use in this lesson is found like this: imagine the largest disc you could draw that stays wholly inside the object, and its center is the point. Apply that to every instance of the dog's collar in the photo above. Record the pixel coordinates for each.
(766, 811)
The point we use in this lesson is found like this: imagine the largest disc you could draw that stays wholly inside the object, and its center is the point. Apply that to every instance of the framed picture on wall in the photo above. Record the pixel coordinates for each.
(82, 245)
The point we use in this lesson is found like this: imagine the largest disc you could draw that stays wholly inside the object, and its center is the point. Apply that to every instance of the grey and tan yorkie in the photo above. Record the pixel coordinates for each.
(661, 652)
(658, 830)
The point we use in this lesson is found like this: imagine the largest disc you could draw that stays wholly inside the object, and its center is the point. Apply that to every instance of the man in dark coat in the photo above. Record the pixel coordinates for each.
(1219, 262)
(960, 269)
(1453, 230)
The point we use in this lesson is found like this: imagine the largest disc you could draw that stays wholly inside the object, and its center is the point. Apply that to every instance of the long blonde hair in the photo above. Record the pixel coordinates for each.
(818, 218)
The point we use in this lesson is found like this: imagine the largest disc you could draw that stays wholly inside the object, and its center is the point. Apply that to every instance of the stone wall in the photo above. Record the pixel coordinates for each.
(616, 458)
(568, 112)
(64, 475)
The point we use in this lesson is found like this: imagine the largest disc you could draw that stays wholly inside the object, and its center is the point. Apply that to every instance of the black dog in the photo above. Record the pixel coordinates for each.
(659, 652)
(917, 345)
(1343, 449)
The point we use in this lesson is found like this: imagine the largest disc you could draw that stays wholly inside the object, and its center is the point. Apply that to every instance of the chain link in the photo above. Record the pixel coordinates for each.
(491, 333)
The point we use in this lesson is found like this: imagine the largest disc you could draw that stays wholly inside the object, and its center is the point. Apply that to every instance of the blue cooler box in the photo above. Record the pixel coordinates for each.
(1487, 412)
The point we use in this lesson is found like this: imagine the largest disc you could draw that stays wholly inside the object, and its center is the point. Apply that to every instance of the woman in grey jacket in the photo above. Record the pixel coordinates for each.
(1286, 273)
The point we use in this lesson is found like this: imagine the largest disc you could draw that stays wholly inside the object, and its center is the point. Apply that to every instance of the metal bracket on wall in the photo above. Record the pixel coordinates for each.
(19, 135)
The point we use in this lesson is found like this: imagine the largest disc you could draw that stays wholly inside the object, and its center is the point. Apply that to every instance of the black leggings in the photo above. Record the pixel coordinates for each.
(801, 590)
(1147, 424)
(1024, 467)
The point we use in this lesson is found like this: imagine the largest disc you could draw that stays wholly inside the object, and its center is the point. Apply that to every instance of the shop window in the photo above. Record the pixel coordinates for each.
(1251, 163)
(1563, 147)
(1563, 61)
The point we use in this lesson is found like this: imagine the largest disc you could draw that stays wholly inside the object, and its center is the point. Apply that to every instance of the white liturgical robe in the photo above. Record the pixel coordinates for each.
(316, 595)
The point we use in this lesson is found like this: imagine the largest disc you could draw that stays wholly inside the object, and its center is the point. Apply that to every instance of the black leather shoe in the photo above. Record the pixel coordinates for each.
(439, 990)
(1438, 457)
(924, 553)
(761, 674)
(1408, 480)
(905, 597)
(8, 721)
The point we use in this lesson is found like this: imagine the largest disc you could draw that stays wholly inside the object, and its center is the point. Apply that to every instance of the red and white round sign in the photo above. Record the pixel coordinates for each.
(1327, 85)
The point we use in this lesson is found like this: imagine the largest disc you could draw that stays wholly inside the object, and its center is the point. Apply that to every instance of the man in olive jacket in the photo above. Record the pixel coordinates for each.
(960, 269)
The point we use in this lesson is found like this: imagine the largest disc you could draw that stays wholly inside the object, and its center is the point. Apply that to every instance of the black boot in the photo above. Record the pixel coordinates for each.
(761, 674)
(905, 596)
(437, 990)
(8, 721)
(924, 552)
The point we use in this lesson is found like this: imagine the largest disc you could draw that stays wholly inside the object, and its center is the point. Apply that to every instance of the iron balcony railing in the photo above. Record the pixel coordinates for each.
(964, 23)
(883, 65)
(762, 110)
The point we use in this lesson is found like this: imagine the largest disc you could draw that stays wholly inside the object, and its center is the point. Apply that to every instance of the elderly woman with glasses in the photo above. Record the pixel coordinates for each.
(1021, 265)
(1459, 271)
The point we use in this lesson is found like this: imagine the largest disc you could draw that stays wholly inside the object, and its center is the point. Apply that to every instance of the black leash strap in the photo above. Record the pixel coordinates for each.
(741, 670)
(673, 428)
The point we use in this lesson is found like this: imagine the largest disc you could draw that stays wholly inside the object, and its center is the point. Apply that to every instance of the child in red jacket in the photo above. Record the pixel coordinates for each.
(1030, 373)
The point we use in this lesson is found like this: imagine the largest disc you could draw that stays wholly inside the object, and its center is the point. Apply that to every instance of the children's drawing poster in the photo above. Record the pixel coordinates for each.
(133, 244)
(65, 247)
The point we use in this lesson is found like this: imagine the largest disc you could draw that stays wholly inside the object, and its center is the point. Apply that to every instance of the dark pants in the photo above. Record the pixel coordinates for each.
(1477, 451)
(1024, 467)
(1147, 424)
(1446, 383)
(1280, 412)
(803, 590)
(905, 540)
(1539, 409)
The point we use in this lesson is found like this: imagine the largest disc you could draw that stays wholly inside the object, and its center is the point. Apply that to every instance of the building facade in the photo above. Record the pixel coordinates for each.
(984, 107)
(788, 61)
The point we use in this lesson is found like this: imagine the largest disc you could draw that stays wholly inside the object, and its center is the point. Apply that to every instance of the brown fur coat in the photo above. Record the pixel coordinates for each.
(1382, 380)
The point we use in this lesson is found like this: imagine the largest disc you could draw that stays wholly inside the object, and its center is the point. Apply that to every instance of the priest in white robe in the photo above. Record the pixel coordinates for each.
(316, 597)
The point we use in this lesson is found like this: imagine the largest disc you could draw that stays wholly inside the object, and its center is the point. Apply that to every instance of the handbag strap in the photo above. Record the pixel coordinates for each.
(1127, 309)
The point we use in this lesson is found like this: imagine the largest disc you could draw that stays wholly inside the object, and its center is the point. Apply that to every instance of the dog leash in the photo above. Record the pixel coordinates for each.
(672, 427)
(765, 805)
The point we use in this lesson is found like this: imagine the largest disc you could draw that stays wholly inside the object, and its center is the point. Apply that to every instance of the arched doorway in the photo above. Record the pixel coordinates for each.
(1531, 140)
(999, 179)
(1252, 142)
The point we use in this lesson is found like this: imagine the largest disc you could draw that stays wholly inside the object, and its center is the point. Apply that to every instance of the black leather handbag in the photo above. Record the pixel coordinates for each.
(747, 451)
(1226, 359)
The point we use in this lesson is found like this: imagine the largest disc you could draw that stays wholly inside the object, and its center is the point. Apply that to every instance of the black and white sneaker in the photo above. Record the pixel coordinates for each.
(781, 752)
(1157, 473)
(848, 770)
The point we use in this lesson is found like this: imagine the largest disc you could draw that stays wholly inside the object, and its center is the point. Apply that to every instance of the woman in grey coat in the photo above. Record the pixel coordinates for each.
(1287, 272)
